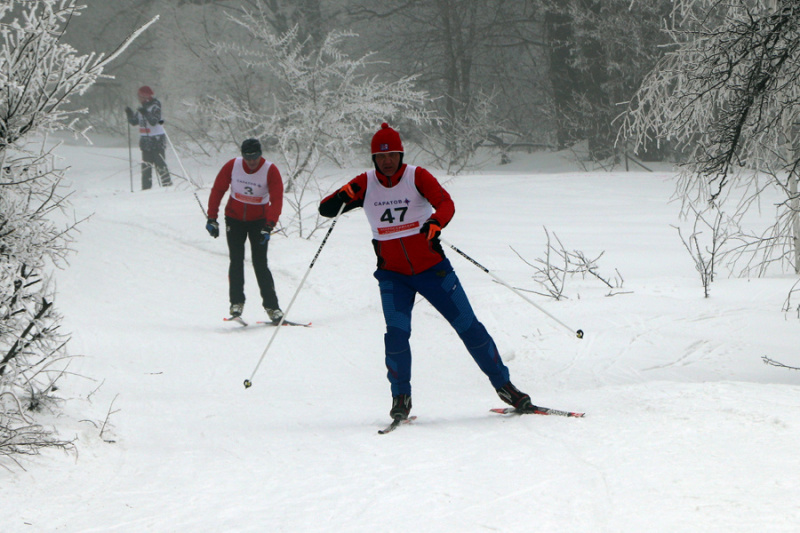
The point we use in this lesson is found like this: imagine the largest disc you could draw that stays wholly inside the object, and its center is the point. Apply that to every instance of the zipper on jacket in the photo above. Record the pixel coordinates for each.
(405, 253)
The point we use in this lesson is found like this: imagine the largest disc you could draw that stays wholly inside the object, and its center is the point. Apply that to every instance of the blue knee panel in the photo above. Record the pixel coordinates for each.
(395, 318)
(457, 295)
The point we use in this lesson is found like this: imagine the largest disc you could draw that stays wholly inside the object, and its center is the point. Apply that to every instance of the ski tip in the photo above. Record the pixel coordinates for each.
(388, 429)
(395, 424)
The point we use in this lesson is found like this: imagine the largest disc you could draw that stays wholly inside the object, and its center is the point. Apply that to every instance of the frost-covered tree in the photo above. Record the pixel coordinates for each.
(281, 15)
(38, 75)
(483, 62)
(312, 104)
(728, 95)
(599, 52)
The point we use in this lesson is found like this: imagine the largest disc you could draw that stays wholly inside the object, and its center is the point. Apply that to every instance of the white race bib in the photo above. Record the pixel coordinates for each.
(398, 211)
(250, 188)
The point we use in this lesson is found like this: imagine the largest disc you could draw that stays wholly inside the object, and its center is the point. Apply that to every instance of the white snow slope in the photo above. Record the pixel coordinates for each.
(686, 429)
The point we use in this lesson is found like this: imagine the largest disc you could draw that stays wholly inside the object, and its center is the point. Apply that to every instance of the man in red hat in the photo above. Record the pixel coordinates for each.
(152, 137)
(407, 209)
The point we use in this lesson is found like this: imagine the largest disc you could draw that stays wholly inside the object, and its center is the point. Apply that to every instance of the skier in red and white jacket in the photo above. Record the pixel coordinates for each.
(254, 206)
(407, 208)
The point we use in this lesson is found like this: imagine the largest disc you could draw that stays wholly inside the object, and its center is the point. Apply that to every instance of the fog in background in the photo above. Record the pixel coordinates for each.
(535, 73)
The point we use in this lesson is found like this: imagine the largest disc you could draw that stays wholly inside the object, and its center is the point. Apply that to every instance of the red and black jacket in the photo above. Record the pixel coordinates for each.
(407, 255)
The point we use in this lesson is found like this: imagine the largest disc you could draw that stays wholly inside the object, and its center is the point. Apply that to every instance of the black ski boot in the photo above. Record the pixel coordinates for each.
(401, 406)
(516, 398)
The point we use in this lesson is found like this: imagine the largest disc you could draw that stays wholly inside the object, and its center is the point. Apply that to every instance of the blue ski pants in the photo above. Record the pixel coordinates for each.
(441, 287)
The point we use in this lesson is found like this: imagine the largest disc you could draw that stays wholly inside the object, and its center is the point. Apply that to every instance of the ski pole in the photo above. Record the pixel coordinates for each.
(153, 170)
(186, 174)
(578, 333)
(130, 156)
(249, 382)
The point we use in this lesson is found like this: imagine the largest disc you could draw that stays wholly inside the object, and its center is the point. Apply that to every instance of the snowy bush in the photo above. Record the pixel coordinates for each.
(38, 74)
(552, 270)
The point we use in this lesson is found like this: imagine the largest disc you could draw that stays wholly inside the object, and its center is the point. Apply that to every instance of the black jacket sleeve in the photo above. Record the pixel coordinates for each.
(329, 206)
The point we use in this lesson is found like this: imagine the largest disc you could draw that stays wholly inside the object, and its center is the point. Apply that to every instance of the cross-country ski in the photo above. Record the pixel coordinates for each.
(239, 320)
(536, 411)
(285, 323)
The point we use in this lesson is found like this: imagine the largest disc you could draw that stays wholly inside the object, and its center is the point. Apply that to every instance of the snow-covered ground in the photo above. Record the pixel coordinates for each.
(686, 428)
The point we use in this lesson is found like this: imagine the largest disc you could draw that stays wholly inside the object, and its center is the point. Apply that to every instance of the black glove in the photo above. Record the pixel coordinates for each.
(347, 193)
(432, 228)
(265, 231)
(212, 227)
(129, 112)
(142, 110)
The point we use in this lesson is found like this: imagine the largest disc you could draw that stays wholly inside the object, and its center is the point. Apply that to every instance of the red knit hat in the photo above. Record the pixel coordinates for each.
(386, 140)
(145, 92)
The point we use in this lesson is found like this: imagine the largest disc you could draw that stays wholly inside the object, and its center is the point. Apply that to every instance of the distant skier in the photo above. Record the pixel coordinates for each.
(407, 209)
(254, 206)
(152, 137)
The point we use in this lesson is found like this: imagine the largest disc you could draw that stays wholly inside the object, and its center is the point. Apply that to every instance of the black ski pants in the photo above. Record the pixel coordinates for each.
(154, 149)
(237, 232)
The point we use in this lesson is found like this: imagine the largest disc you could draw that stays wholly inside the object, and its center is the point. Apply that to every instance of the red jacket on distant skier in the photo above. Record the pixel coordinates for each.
(269, 212)
(406, 255)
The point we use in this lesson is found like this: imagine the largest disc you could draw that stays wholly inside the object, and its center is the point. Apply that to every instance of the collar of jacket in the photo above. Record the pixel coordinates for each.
(394, 179)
